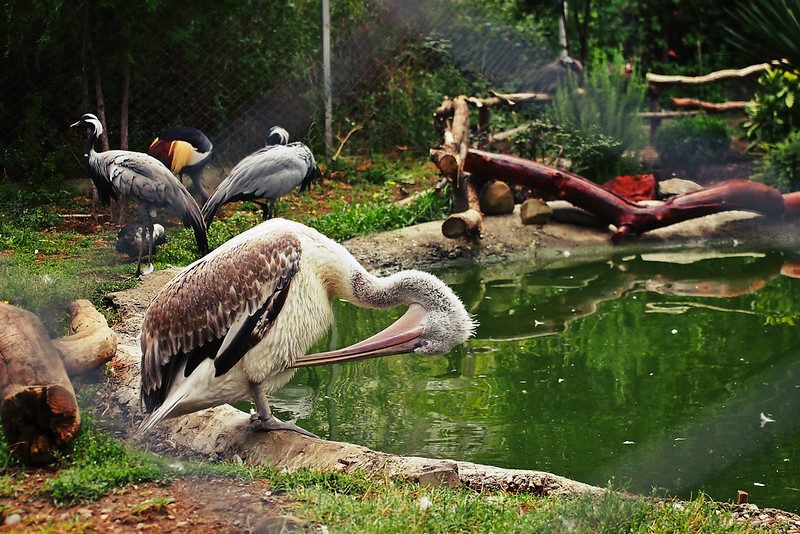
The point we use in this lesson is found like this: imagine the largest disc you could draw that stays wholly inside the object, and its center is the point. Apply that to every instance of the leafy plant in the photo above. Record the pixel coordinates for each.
(593, 155)
(767, 29)
(780, 166)
(608, 104)
(687, 142)
(775, 109)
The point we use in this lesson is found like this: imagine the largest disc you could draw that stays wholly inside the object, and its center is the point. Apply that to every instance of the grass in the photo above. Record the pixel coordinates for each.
(356, 502)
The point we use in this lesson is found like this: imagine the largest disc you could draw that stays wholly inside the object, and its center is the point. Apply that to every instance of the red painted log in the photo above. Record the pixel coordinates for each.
(629, 218)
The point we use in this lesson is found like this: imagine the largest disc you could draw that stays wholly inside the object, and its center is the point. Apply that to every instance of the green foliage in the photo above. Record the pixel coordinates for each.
(690, 141)
(395, 109)
(593, 128)
(780, 166)
(346, 220)
(608, 105)
(593, 155)
(97, 463)
(767, 29)
(775, 109)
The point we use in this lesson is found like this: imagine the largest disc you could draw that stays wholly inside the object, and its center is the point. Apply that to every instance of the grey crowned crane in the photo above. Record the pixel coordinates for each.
(237, 323)
(266, 175)
(146, 181)
(184, 150)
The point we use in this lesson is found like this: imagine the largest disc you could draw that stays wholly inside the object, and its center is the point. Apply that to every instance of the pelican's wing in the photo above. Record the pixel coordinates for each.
(218, 307)
(267, 174)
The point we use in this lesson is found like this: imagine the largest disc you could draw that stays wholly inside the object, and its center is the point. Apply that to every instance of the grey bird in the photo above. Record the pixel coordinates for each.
(266, 175)
(146, 181)
(237, 323)
(131, 237)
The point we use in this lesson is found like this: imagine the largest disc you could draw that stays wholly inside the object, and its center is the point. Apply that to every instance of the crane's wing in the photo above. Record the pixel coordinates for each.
(268, 173)
(148, 181)
(218, 308)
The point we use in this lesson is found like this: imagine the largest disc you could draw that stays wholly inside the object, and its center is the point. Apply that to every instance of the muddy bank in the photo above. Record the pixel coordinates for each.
(505, 238)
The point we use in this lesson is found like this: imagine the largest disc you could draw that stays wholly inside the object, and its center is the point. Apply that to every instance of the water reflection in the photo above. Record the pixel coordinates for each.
(651, 370)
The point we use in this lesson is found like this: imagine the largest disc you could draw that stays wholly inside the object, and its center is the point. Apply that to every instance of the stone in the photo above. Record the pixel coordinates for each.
(535, 211)
(676, 186)
(496, 199)
(565, 212)
(634, 187)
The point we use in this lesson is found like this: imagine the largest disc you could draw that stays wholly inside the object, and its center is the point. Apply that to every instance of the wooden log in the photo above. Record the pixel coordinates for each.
(717, 107)
(629, 218)
(463, 224)
(38, 407)
(91, 343)
(699, 80)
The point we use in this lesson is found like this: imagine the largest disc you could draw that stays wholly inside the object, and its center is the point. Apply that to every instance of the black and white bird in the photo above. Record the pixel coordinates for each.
(237, 323)
(146, 181)
(184, 150)
(131, 237)
(266, 175)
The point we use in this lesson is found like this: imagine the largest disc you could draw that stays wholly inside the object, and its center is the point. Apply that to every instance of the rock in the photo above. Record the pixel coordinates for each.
(634, 187)
(13, 519)
(535, 211)
(496, 199)
(565, 212)
(676, 186)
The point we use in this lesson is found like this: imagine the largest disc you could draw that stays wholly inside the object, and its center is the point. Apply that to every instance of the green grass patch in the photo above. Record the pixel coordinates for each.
(97, 463)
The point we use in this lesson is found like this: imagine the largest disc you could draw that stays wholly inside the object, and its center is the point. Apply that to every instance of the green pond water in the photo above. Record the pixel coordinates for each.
(666, 373)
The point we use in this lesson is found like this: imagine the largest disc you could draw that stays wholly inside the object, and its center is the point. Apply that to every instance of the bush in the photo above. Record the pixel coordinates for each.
(781, 164)
(773, 114)
(687, 142)
(593, 155)
(608, 105)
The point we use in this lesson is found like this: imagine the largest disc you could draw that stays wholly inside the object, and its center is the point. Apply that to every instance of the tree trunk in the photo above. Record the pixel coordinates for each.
(91, 342)
(629, 218)
(450, 159)
(38, 407)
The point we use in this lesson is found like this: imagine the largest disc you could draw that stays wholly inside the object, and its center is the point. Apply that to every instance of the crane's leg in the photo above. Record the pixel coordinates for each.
(267, 209)
(138, 272)
(264, 420)
(150, 232)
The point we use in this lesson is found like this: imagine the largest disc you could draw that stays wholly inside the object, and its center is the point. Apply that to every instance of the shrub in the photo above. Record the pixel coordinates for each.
(593, 155)
(687, 142)
(608, 105)
(772, 114)
(781, 164)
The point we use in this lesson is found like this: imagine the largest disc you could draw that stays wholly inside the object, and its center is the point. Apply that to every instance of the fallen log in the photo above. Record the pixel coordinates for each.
(91, 342)
(629, 218)
(38, 407)
(719, 107)
(699, 80)
(449, 158)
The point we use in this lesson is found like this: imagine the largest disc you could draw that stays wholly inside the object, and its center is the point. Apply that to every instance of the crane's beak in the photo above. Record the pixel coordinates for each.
(398, 338)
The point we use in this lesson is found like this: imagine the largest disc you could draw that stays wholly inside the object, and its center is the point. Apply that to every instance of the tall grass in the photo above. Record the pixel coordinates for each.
(608, 104)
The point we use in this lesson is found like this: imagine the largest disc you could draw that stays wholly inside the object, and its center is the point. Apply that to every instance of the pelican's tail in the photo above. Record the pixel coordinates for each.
(184, 396)
(162, 412)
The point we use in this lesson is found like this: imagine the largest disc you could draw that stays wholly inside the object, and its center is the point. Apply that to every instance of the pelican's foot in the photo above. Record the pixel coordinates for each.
(273, 423)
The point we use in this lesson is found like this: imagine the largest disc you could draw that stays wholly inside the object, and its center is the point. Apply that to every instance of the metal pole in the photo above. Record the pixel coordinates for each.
(326, 73)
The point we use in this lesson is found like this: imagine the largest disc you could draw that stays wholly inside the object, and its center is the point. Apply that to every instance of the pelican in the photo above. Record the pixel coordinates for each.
(145, 180)
(237, 323)
(267, 174)
(185, 150)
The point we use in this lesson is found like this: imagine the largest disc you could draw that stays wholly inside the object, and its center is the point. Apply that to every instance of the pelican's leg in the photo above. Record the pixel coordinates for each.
(264, 420)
